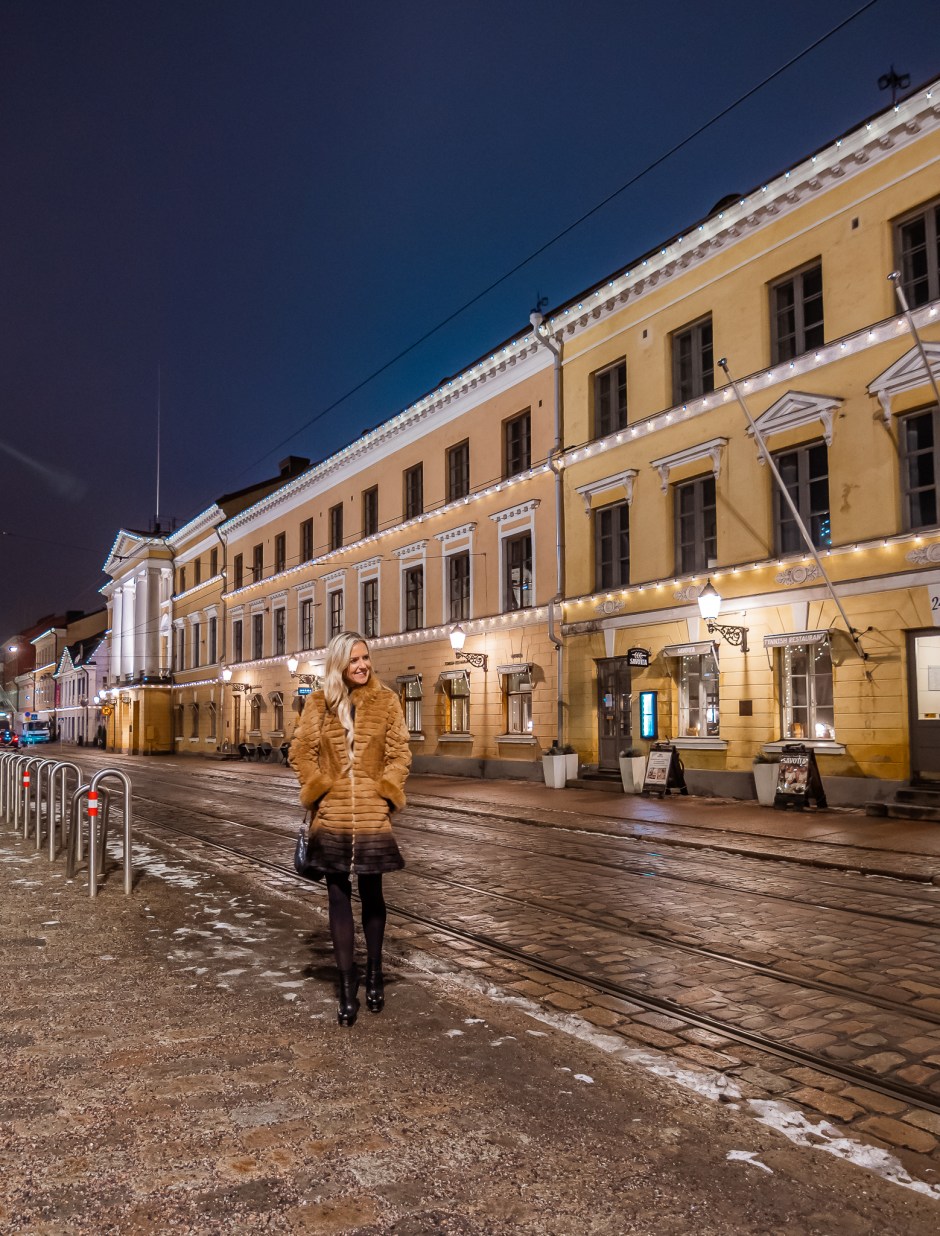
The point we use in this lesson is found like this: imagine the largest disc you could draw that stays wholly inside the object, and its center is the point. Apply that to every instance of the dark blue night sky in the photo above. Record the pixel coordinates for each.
(268, 202)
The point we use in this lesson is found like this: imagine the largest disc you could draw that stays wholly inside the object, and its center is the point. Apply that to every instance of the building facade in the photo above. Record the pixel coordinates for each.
(666, 487)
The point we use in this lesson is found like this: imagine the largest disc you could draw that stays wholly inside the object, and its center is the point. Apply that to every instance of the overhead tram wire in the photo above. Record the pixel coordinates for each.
(635, 179)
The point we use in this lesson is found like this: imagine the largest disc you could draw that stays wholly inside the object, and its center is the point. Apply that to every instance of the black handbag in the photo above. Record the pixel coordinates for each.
(302, 861)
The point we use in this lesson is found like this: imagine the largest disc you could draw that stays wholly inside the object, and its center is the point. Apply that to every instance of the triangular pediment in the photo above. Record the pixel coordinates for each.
(908, 372)
(130, 549)
(797, 408)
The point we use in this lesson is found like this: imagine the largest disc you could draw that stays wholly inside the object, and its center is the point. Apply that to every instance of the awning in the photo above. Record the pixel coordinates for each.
(699, 648)
(792, 638)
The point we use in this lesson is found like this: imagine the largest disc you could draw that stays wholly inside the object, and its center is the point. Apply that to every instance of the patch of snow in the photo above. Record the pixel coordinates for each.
(583, 1077)
(825, 1137)
(452, 1034)
(748, 1156)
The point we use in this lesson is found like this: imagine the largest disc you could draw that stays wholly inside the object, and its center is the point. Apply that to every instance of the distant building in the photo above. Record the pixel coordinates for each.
(81, 672)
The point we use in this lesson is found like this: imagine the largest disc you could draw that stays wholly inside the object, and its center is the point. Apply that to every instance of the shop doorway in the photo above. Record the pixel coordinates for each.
(923, 693)
(614, 712)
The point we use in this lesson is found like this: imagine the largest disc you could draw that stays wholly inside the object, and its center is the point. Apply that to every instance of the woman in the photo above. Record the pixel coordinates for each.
(351, 756)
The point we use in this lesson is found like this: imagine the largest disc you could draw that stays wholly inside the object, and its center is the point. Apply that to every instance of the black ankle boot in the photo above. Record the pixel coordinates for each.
(375, 987)
(348, 1000)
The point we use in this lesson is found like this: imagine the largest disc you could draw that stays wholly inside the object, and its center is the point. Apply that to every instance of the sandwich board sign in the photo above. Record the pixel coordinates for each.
(664, 771)
(798, 779)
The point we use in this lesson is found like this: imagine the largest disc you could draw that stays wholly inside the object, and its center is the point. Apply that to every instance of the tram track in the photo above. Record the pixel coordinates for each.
(909, 1094)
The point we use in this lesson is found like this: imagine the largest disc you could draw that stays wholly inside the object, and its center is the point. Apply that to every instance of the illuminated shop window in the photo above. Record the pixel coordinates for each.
(806, 691)
(516, 682)
(698, 696)
(411, 694)
(457, 694)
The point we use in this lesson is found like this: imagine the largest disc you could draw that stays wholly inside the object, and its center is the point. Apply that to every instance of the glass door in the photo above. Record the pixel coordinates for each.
(614, 711)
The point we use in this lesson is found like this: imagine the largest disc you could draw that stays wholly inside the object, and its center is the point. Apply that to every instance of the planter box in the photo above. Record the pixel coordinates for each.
(765, 782)
(555, 770)
(632, 773)
(571, 766)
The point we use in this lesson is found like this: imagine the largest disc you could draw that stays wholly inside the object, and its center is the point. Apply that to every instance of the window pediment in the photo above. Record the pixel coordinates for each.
(619, 480)
(906, 374)
(795, 409)
(710, 450)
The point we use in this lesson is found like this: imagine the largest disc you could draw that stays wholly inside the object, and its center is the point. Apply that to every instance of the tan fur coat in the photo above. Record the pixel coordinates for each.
(351, 803)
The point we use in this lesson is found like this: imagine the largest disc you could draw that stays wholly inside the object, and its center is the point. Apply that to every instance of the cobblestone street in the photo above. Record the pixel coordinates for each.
(686, 1020)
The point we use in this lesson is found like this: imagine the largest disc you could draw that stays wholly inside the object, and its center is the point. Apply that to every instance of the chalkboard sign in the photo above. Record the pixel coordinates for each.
(798, 779)
(664, 771)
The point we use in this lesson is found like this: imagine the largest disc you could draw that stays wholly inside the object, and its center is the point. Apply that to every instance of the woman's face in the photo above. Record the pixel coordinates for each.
(359, 669)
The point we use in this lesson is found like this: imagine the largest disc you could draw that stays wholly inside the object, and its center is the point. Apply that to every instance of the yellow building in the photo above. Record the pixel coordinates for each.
(665, 486)
(442, 517)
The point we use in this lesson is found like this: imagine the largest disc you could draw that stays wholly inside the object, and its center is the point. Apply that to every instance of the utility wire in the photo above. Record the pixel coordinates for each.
(650, 167)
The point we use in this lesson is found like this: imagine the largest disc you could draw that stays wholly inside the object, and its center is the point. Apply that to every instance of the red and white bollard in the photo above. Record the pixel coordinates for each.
(93, 843)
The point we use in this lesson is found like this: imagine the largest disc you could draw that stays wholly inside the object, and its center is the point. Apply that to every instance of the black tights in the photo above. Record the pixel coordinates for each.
(342, 930)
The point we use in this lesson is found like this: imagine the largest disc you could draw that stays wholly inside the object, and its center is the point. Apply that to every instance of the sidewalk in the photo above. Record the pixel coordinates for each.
(841, 837)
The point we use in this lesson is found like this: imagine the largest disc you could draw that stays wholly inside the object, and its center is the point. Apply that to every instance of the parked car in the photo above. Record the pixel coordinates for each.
(9, 739)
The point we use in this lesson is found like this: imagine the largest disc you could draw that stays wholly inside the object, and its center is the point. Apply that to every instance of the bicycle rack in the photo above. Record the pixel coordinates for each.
(96, 837)
(30, 792)
(6, 783)
(13, 788)
(59, 776)
(41, 803)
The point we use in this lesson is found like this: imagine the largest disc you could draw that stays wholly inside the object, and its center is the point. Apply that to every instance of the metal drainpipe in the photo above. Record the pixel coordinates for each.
(545, 337)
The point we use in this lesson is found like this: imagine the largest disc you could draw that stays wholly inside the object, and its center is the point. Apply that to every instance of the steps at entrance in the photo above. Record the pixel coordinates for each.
(916, 802)
(603, 779)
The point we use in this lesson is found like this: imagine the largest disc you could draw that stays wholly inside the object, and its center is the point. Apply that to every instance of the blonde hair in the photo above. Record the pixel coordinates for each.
(335, 690)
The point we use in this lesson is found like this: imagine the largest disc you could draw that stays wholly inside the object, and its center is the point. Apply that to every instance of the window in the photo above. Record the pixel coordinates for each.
(257, 563)
(336, 612)
(212, 715)
(306, 623)
(610, 400)
(179, 712)
(280, 552)
(517, 583)
(197, 571)
(410, 694)
(696, 526)
(213, 563)
(806, 697)
(414, 491)
(369, 607)
(458, 587)
(458, 471)
(517, 445)
(237, 645)
(213, 641)
(920, 467)
(255, 705)
(182, 581)
(181, 649)
(336, 526)
(805, 473)
(238, 571)
(277, 720)
(257, 636)
(917, 245)
(194, 720)
(698, 696)
(195, 645)
(370, 511)
(414, 598)
(457, 694)
(280, 632)
(306, 540)
(693, 361)
(796, 314)
(517, 691)
(612, 546)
